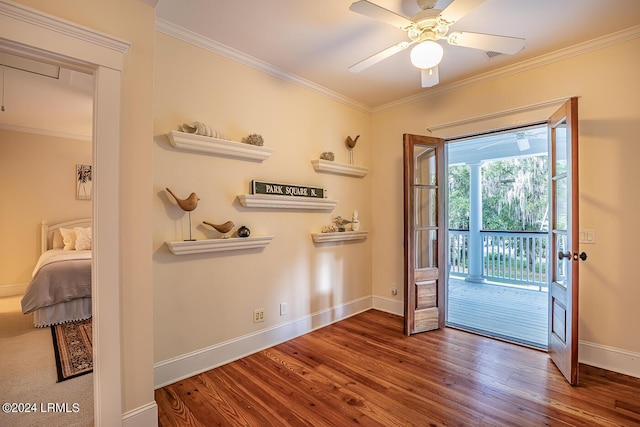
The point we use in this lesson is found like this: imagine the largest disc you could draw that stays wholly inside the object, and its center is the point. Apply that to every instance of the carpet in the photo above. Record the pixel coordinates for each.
(72, 343)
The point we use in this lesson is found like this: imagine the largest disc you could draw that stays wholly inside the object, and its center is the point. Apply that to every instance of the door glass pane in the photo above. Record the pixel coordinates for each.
(424, 158)
(561, 204)
(425, 213)
(560, 148)
(560, 273)
(426, 248)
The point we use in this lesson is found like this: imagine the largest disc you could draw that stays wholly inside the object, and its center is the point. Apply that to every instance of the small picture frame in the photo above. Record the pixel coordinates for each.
(83, 182)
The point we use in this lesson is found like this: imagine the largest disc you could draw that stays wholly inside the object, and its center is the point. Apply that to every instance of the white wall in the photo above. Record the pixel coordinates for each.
(609, 112)
(205, 300)
(37, 177)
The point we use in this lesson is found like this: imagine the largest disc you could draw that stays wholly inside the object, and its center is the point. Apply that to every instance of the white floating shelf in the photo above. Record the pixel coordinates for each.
(285, 202)
(339, 168)
(218, 147)
(339, 236)
(218, 245)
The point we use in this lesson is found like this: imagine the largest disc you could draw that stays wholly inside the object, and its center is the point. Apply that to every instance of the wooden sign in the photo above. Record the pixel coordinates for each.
(276, 189)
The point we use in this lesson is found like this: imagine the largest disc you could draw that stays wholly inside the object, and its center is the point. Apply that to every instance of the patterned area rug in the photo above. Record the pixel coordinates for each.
(72, 343)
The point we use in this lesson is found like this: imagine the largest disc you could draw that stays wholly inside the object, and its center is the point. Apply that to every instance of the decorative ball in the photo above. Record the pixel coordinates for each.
(328, 155)
(253, 139)
(243, 231)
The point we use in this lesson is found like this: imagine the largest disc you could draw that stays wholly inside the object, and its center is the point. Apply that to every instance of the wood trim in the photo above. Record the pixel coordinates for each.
(409, 293)
(572, 118)
(565, 354)
(413, 275)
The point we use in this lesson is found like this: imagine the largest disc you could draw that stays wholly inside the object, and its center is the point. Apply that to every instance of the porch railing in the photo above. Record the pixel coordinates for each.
(518, 257)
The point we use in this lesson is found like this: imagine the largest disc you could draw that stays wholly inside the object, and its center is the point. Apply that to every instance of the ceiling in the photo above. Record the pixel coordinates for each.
(313, 43)
(318, 40)
(44, 98)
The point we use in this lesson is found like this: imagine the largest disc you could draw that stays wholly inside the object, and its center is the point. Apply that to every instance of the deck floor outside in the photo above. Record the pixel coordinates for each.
(507, 312)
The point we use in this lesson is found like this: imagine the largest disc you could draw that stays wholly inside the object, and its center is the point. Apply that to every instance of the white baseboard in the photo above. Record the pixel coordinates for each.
(190, 364)
(389, 305)
(600, 356)
(144, 416)
(610, 358)
(13, 290)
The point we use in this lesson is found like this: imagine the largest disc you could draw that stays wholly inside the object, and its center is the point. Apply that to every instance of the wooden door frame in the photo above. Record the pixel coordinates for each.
(567, 361)
(409, 235)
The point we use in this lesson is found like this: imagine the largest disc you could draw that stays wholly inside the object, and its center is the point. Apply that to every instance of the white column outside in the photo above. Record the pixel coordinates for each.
(475, 224)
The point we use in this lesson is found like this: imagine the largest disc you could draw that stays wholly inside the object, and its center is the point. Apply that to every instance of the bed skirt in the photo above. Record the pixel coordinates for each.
(70, 311)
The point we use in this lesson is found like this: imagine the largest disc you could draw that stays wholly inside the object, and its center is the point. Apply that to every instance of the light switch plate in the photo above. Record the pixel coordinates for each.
(587, 235)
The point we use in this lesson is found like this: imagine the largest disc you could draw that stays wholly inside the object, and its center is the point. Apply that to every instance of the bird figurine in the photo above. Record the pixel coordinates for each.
(341, 223)
(222, 228)
(187, 205)
(351, 143)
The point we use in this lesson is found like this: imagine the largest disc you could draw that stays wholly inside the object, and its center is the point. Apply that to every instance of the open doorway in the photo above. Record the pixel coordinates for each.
(28, 31)
(45, 132)
(498, 207)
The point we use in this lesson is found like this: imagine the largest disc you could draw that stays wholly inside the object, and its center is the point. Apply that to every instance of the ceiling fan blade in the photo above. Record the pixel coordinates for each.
(488, 42)
(374, 59)
(429, 76)
(491, 144)
(374, 11)
(457, 9)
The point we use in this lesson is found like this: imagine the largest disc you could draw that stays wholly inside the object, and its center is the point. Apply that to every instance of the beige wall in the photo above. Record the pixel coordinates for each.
(191, 302)
(609, 111)
(134, 21)
(203, 300)
(37, 176)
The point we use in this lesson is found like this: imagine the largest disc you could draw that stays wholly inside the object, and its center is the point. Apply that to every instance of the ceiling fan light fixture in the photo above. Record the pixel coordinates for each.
(523, 142)
(427, 54)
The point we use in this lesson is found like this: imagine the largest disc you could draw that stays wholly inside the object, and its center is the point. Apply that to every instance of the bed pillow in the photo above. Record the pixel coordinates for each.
(57, 242)
(83, 238)
(69, 238)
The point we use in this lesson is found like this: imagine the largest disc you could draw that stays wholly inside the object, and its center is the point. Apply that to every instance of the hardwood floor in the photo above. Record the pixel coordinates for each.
(364, 371)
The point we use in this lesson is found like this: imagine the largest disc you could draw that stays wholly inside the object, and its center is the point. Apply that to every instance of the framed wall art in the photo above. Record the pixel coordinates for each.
(83, 182)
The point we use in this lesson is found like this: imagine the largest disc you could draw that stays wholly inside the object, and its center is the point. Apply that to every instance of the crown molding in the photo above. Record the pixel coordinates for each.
(558, 55)
(152, 3)
(53, 23)
(45, 132)
(195, 39)
(188, 36)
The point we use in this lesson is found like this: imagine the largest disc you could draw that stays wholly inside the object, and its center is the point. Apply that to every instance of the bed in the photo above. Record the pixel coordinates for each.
(60, 288)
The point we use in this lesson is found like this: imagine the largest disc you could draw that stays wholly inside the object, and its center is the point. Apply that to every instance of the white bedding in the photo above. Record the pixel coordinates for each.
(55, 255)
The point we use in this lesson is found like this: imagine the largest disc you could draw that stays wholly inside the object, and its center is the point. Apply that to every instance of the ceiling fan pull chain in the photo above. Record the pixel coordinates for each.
(2, 105)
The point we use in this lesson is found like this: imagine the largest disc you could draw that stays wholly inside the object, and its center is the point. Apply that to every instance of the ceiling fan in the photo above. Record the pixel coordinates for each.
(425, 28)
(522, 141)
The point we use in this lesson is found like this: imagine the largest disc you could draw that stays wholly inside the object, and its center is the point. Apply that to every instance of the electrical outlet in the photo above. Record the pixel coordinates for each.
(283, 309)
(258, 315)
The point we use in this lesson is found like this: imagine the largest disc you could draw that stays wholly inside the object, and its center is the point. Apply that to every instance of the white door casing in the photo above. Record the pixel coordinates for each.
(29, 32)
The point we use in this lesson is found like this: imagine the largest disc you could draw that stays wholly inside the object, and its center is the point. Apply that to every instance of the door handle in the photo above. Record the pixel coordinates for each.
(575, 256)
(562, 255)
(582, 256)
